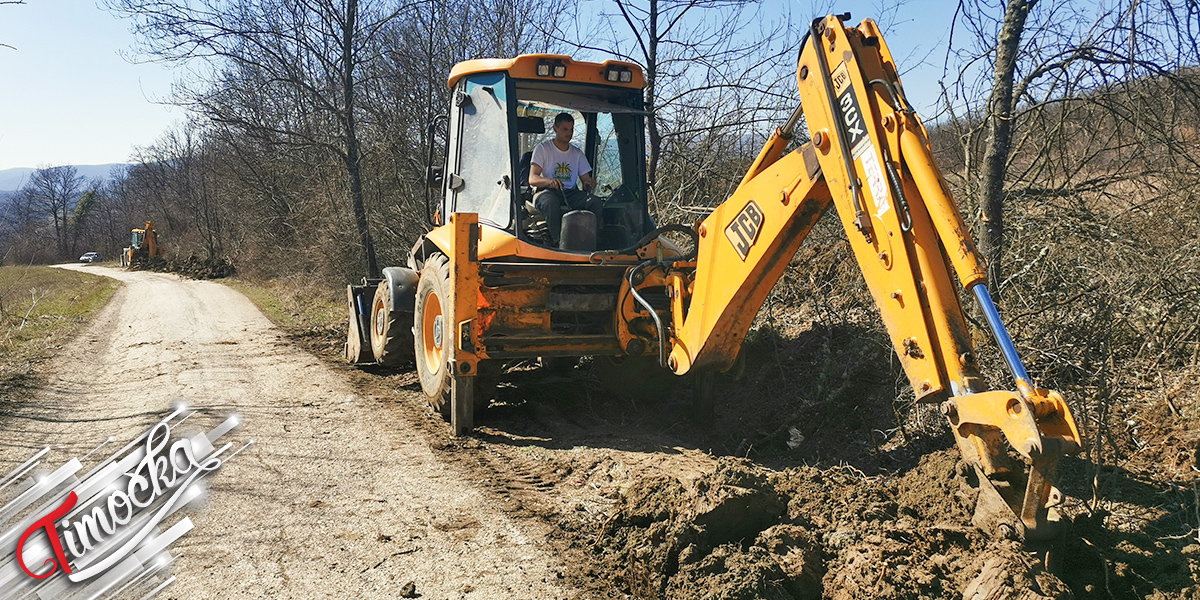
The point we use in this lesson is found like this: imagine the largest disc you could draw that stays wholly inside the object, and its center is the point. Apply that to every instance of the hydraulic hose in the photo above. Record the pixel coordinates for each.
(658, 328)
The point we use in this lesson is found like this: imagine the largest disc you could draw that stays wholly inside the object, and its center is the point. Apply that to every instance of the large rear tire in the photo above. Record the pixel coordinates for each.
(391, 330)
(433, 333)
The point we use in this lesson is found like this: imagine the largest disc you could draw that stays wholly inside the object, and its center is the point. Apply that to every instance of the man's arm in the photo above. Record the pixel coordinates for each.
(536, 179)
(583, 166)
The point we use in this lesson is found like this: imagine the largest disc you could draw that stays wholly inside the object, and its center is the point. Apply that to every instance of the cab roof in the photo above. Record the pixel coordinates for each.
(526, 67)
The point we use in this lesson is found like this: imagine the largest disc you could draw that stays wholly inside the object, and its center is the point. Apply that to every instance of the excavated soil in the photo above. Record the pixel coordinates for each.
(745, 532)
(809, 483)
(812, 483)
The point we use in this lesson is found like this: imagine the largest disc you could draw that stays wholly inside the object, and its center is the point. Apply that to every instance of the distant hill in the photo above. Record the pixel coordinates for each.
(13, 179)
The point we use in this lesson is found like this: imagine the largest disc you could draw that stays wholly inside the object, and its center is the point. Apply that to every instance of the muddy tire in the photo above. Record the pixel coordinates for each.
(433, 334)
(391, 330)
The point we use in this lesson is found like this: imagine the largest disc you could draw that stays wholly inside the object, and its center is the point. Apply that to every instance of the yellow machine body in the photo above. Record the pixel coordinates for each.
(501, 293)
(143, 245)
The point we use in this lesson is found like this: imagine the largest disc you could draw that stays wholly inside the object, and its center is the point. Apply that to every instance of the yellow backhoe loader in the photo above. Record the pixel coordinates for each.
(143, 246)
(485, 285)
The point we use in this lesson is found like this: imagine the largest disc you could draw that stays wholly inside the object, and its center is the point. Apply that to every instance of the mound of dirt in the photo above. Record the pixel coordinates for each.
(746, 532)
(202, 268)
(149, 263)
(192, 267)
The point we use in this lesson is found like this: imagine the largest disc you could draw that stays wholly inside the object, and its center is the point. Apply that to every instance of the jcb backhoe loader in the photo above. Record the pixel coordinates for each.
(143, 246)
(484, 285)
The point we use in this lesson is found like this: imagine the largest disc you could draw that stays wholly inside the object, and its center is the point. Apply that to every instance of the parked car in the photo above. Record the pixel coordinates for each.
(90, 257)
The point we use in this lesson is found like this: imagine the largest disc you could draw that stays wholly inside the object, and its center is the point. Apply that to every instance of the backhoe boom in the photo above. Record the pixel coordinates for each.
(870, 158)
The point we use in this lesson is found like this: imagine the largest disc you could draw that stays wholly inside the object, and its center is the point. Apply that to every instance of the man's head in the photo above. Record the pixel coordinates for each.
(564, 128)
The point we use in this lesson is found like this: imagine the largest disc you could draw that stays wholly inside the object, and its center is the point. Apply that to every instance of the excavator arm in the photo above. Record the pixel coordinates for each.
(869, 157)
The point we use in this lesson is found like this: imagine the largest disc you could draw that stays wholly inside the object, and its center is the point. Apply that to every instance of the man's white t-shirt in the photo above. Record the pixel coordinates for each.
(563, 166)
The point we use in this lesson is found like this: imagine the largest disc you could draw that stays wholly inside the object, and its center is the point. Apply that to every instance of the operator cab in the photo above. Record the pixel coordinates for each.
(502, 109)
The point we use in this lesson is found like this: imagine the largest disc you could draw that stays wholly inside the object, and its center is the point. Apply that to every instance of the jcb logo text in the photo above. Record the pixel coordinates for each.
(743, 231)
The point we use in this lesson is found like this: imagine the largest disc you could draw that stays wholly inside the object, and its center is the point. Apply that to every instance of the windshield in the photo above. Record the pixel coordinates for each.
(602, 147)
(609, 131)
(608, 156)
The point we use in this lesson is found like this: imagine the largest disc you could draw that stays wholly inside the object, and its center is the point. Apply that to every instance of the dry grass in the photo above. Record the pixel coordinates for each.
(312, 314)
(40, 309)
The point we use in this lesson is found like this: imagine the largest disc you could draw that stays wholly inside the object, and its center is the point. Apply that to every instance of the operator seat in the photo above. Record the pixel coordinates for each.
(532, 219)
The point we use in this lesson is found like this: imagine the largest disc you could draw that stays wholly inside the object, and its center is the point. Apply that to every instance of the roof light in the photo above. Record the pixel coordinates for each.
(543, 68)
(560, 71)
(618, 74)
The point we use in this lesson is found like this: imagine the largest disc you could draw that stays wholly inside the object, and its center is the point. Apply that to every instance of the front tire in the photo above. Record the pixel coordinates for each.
(391, 331)
(432, 333)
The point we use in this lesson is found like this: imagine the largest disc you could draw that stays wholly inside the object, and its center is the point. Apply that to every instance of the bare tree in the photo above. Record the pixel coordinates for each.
(3, 2)
(708, 64)
(51, 194)
(109, 218)
(177, 174)
(409, 93)
(289, 72)
(1038, 56)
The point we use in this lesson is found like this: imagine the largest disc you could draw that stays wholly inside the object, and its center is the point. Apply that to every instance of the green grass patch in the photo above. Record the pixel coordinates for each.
(40, 309)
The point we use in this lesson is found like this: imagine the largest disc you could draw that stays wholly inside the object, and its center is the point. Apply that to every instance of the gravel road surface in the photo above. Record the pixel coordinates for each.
(337, 497)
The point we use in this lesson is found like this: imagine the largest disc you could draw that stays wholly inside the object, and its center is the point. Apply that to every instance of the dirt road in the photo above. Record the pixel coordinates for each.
(337, 497)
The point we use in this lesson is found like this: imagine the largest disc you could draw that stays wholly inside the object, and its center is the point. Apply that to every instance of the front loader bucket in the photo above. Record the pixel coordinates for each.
(358, 331)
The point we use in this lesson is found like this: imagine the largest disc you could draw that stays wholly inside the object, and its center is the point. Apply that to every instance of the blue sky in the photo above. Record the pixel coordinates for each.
(67, 95)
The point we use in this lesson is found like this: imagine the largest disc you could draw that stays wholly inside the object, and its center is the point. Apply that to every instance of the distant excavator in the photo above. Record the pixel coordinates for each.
(143, 246)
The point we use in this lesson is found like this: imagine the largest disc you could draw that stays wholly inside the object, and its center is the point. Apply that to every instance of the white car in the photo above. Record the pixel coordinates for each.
(90, 257)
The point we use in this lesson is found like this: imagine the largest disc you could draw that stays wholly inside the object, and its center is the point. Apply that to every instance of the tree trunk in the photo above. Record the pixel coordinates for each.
(999, 145)
(353, 157)
(654, 136)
